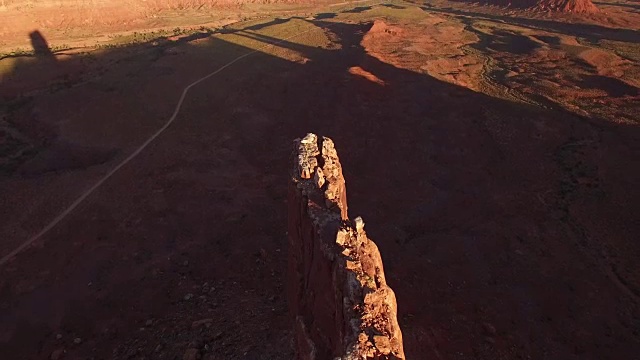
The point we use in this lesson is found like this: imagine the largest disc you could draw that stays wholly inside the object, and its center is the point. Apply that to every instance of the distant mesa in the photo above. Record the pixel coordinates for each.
(570, 6)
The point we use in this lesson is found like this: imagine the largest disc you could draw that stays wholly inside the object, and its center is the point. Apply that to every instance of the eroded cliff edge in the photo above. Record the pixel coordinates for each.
(338, 296)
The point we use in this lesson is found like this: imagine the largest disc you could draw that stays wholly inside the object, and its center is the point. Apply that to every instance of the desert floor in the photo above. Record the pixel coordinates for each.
(494, 155)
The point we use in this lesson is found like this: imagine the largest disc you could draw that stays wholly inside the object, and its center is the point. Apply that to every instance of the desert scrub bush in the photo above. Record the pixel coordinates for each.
(17, 52)
(61, 47)
(153, 7)
(161, 5)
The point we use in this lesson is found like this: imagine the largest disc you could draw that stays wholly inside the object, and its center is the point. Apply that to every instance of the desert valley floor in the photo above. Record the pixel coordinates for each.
(494, 154)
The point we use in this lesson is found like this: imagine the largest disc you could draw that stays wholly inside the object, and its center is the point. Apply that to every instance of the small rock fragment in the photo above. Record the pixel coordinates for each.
(359, 224)
(342, 237)
(188, 297)
(382, 343)
(57, 354)
(77, 340)
(59, 336)
(362, 337)
(198, 323)
(190, 354)
(318, 178)
(489, 329)
(307, 150)
(310, 138)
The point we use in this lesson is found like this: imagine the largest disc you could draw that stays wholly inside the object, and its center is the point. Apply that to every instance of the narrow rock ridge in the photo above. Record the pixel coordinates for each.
(338, 296)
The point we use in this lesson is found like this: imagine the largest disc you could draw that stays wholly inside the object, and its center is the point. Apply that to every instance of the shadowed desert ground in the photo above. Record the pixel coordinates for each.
(495, 154)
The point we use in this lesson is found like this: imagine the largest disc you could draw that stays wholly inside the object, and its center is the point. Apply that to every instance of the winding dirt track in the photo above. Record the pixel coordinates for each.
(124, 162)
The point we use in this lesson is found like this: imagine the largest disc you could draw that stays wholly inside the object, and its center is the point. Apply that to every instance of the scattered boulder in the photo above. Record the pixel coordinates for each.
(191, 354)
(489, 329)
(202, 322)
(57, 354)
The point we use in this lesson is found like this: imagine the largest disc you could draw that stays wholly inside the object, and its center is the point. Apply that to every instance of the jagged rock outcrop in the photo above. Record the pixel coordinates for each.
(574, 6)
(338, 296)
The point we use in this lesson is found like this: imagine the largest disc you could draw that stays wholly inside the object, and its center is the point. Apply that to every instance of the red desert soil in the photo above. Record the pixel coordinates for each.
(493, 153)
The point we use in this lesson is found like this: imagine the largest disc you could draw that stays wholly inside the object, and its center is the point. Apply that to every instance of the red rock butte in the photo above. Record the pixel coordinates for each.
(340, 303)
